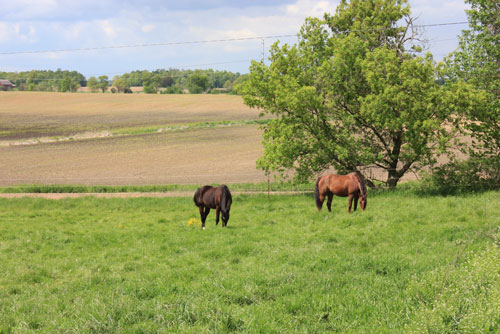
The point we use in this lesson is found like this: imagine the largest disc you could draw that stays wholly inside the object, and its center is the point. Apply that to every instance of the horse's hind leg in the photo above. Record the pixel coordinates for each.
(217, 212)
(329, 202)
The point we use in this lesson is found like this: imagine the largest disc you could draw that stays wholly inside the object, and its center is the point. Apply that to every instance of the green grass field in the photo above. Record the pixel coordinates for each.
(410, 263)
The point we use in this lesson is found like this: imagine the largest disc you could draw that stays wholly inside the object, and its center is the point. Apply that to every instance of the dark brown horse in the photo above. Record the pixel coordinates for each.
(208, 197)
(351, 185)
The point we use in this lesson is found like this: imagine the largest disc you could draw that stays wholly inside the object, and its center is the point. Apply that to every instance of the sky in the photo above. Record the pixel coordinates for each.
(96, 34)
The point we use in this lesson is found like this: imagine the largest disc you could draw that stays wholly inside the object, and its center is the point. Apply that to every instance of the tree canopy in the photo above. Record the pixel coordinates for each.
(354, 92)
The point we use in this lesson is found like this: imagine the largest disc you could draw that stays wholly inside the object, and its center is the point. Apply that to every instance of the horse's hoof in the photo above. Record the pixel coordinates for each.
(203, 228)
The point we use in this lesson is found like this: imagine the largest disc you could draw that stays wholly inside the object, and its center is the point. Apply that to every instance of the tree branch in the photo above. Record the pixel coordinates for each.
(371, 127)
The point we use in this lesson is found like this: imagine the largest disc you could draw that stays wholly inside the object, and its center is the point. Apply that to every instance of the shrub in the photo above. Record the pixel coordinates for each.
(474, 174)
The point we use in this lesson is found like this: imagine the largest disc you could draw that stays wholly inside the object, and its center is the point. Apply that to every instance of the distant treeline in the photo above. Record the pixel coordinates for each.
(48, 81)
(171, 81)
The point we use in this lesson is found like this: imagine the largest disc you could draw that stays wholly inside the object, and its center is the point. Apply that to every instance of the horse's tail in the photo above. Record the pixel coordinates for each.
(316, 194)
(361, 185)
(226, 199)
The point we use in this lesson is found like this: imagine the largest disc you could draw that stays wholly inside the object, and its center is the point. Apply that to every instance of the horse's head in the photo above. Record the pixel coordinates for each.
(363, 201)
(225, 217)
(225, 202)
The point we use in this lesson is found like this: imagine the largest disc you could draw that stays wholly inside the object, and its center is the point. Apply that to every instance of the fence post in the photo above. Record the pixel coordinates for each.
(268, 187)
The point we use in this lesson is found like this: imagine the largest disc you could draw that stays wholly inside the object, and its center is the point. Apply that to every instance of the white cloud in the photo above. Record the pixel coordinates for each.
(27, 9)
(304, 8)
(252, 22)
(4, 34)
(25, 32)
(147, 28)
(74, 31)
(437, 11)
(109, 29)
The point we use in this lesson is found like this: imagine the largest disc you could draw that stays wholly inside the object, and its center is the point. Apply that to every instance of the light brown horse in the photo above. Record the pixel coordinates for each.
(351, 185)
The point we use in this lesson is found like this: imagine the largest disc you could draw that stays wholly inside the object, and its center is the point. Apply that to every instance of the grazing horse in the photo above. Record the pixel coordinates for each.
(208, 197)
(351, 185)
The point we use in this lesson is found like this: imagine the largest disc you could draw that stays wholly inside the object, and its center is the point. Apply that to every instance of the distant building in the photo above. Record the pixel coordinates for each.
(6, 84)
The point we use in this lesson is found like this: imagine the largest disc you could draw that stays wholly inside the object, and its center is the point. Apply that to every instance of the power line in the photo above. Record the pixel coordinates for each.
(442, 24)
(204, 41)
(147, 45)
(444, 39)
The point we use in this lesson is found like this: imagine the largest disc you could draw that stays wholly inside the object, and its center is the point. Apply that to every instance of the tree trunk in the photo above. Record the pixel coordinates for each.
(394, 175)
(393, 178)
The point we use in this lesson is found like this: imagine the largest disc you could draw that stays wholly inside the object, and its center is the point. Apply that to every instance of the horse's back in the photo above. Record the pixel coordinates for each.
(341, 185)
(212, 197)
(203, 196)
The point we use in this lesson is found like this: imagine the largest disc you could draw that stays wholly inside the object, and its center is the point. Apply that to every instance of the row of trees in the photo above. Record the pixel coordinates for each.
(166, 81)
(178, 81)
(357, 90)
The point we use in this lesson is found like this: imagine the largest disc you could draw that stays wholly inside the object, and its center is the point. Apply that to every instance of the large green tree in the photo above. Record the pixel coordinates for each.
(151, 82)
(353, 92)
(477, 61)
(197, 83)
(121, 84)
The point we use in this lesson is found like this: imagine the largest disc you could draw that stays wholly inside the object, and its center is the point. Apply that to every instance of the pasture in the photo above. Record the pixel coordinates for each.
(409, 263)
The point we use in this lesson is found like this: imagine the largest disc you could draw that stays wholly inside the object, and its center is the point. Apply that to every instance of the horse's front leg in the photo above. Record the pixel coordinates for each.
(329, 202)
(350, 203)
(204, 214)
(217, 212)
(355, 202)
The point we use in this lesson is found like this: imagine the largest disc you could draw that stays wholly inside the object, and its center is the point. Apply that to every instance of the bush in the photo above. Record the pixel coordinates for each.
(474, 174)
(172, 90)
(150, 89)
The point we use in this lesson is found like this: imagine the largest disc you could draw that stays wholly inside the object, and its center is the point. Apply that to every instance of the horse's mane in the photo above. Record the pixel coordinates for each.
(361, 184)
(226, 198)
